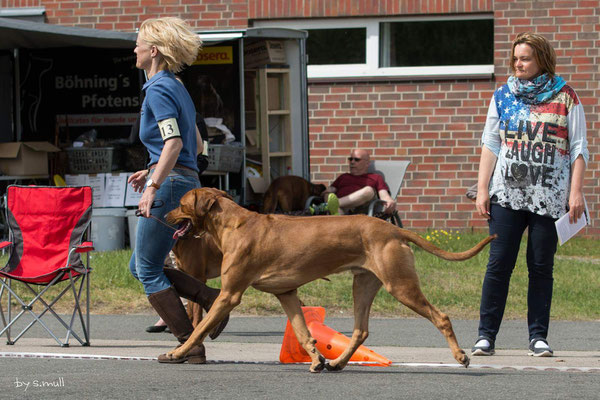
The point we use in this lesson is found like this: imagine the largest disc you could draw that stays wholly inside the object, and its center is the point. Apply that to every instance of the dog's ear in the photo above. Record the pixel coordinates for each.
(204, 201)
(218, 193)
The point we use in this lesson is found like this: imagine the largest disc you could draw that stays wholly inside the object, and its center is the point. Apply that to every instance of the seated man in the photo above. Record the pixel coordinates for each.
(354, 191)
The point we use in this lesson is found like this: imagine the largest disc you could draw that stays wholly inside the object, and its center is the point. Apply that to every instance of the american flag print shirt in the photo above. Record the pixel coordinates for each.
(535, 145)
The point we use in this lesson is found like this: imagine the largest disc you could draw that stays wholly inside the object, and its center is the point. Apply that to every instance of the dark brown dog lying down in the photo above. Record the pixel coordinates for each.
(289, 193)
(278, 253)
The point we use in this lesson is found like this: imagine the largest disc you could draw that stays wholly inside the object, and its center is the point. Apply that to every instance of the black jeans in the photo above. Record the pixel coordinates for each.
(541, 246)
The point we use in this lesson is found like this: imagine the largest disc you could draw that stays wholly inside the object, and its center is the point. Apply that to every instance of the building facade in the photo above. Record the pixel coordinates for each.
(371, 96)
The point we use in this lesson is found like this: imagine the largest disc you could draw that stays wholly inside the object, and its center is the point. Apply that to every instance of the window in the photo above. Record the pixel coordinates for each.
(429, 43)
(447, 47)
(336, 46)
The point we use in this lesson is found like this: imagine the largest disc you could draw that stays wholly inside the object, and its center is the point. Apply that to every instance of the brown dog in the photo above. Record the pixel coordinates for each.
(289, 193)
(278, 253)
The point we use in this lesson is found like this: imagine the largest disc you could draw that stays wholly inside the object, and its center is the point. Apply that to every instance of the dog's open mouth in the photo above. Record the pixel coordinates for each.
(183, 229)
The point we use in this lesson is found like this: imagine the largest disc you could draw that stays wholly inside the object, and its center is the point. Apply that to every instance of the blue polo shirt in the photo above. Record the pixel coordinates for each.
(167, 98)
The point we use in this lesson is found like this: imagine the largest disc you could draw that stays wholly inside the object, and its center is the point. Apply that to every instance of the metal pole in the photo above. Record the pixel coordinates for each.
(304, 109)
(17, 134)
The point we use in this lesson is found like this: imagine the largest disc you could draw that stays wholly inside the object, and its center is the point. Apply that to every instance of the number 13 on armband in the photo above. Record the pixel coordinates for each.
(168, 128)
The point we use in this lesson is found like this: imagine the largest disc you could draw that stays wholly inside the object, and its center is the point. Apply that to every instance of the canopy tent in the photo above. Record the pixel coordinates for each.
(17, 34)
(34, 38)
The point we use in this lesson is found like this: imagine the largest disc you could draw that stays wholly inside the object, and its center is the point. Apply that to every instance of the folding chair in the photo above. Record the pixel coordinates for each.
(47, 227)
(393, 174)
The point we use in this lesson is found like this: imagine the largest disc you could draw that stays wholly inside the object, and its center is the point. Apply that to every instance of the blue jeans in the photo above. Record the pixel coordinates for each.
(154, 240)
(541, 246)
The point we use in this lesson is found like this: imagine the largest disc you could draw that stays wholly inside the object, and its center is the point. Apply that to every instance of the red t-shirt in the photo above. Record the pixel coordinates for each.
(347, 183)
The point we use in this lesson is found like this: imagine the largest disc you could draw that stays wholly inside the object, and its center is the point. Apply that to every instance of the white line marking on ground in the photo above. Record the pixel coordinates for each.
(500, 367)
(395, 364)
(74, 356)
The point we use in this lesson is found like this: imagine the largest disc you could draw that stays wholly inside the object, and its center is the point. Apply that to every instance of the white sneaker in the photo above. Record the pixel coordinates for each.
(539, 348)
(483, 347)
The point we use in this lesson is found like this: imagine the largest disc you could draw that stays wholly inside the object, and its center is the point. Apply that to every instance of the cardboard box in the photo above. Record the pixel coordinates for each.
(25, 158)
(258, 184)
(264, 52)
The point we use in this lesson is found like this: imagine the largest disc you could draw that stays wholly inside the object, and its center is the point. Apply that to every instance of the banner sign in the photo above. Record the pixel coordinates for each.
(96, 119)
(215, 55)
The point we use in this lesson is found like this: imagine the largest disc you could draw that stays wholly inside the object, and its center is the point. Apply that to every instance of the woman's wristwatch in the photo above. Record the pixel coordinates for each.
(150, 182)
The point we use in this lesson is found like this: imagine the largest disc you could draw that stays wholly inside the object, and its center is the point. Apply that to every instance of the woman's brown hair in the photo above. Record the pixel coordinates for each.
(542, 51)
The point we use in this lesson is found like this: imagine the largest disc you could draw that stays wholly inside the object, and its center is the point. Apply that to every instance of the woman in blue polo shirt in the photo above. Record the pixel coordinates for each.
(168, 131)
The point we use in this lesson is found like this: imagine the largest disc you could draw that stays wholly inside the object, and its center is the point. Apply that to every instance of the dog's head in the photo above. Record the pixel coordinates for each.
(193, 208)
(316, 190)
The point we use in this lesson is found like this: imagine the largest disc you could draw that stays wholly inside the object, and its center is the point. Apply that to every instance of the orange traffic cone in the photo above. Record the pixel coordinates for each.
(330, 343)
(291, 350)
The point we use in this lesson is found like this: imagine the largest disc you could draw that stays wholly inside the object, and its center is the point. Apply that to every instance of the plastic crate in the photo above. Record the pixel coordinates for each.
(222, 157)
(90, 160)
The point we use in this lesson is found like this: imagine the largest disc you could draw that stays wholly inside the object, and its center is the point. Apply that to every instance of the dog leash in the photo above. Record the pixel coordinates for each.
(156, 204)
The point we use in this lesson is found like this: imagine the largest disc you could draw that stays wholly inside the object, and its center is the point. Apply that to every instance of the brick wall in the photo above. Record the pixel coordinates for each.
(19, 3)
(272, 9)
(126, 15)
(437, 125)
(434, 124)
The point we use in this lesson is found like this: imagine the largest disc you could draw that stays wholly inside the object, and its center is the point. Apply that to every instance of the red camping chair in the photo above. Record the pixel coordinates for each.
(47, 225)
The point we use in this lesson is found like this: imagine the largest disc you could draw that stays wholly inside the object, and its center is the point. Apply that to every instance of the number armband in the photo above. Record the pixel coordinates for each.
(168, 128)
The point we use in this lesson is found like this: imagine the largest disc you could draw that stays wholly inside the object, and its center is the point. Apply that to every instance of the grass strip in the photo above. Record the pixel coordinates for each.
(453, 287)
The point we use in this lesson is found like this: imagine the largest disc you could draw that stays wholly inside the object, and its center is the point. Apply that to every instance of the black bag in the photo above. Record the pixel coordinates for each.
(202, 162)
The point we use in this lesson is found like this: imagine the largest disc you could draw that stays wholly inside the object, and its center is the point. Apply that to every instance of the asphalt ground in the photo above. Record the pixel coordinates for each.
(122, 357)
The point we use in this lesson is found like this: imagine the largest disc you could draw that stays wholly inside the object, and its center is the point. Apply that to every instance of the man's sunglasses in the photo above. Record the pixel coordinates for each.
(354, 159)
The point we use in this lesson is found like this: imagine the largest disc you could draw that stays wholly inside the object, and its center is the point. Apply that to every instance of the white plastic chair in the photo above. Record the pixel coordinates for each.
(393, 174)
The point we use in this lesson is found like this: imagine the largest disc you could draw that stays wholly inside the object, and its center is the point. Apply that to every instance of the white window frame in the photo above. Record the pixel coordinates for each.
(371, 69)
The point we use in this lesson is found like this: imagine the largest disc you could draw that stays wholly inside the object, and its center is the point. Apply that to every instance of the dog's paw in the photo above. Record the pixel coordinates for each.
(464, 360)
(333, 368)
(319, 367)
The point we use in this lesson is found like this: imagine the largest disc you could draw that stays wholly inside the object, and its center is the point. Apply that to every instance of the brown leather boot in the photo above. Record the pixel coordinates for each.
(168, 305)
(196, 355)
(192, 289)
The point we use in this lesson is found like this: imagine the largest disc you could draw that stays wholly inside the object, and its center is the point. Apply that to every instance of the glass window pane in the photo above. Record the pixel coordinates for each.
(336, 46)
(432, 43)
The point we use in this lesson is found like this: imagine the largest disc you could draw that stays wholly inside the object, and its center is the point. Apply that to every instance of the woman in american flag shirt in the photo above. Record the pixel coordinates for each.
(531, 171)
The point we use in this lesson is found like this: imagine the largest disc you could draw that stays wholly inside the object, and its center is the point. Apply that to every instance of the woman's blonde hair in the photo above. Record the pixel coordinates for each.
(174, 39)
(542, 51)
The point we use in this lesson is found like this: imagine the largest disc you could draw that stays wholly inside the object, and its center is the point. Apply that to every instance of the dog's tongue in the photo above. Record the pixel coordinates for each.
(181, 231)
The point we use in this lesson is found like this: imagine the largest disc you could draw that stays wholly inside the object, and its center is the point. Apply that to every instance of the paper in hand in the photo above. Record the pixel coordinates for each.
(567, 230)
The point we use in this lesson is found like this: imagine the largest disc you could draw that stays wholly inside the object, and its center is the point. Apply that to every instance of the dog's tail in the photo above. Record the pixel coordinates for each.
(446, 255)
